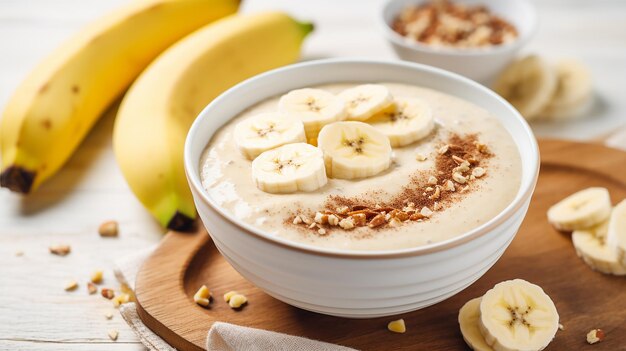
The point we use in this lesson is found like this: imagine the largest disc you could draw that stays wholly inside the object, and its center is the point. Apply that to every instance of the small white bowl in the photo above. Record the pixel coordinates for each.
(480, 64)
(347, 283)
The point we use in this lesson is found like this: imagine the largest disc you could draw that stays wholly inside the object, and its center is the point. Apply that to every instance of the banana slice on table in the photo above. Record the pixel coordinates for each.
(468, 321)
(408, 121)
(354, 150)
(364, 101)
(517, 315)
(528, 84)
(581, 210)
(616, 237)
(573, 96)
(267, 131)
(289, 168)
(591, 246)
(314, 107)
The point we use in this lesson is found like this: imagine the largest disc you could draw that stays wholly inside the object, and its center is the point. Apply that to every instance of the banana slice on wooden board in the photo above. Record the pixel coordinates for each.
(266, 131)
(528, 84)
(591, 247)
(616, 236)
(289, 168)
(581, 210)
(364, 101)
(405, 122)
(354, 150)
(469, 315)
(314, 107)
(516, 315)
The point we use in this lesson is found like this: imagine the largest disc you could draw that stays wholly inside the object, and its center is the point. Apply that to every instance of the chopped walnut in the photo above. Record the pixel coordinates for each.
(432, 180)
(108, 229)
(107, 293)
(449, 185)
(321, 231)
(359, 219)
(443, 150)
(458, 160)
(420, 157)
(297, 220)
(395, 222)
(92, 288)
(426, 212)
(478, 172)
(347, 223)
(71, 285)
(333, 220)
(436, 194)
(60, 250)
(459, 178)
(595, 336)
(343, 209)
(377, 221)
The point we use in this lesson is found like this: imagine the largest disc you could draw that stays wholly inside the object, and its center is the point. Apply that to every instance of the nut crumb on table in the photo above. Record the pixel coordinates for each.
(60, 250)
(595, 336)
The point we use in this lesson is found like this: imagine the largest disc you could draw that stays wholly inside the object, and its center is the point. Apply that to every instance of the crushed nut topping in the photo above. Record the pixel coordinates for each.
(449, 24)
(458, 161)
(421, 157)
(96, 277)
(113, 334)
(71, 285)
(203, 296)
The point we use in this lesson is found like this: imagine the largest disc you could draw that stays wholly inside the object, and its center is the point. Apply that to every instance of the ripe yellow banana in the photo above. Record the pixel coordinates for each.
(156, 113)
(56, 105)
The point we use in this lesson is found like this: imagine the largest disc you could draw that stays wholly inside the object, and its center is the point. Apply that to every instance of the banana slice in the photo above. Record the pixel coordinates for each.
(581, 210)
(591, 246)
(266, 131)
(517, 315)
(364, 101)
(354, 150)
(289, 168)
(573, 96)
(468, 321)
(616, 237)
(528, 84)
(314, 107)
(408, 121)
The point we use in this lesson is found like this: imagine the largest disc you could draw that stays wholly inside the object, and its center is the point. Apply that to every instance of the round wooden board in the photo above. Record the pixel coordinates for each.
(585, 299)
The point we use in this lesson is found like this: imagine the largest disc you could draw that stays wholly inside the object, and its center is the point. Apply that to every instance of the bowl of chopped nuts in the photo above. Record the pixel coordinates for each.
(475, 38)
(361, 218)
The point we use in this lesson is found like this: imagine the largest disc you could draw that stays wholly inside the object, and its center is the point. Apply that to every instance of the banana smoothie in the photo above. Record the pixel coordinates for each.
(363, 166)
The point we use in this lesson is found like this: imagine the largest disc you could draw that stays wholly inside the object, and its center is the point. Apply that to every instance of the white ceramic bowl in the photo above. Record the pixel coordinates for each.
(479, 64)
(352, 283)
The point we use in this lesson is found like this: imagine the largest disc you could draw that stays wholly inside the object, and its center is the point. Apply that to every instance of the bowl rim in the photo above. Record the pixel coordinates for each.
(526, 189)
(398, 39)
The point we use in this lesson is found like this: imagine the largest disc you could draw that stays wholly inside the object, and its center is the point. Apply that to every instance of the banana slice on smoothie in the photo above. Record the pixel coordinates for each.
(616, 236)
(354, 150)
(517, 315)
(314, 107)
(266, 131)
(364, 101)
(407, 121)
(468, 321)
(528, 84)
(573, 96)
(289, 168)
(591, 246)
(581, 210)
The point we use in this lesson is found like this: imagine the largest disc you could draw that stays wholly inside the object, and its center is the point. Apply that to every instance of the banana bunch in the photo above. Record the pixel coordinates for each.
(62, 98)
(598, 230)
(156, 113)
(354, 132)
(514, 315)
(541, 91)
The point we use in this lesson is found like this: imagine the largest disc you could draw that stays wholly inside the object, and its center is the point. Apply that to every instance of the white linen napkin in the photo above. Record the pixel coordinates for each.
(221, 336)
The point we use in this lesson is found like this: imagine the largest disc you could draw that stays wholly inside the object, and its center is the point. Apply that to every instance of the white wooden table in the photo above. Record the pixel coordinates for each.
(37, 314)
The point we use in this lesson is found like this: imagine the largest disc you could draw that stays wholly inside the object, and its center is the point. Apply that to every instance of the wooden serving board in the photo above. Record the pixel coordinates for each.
(585, 299)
